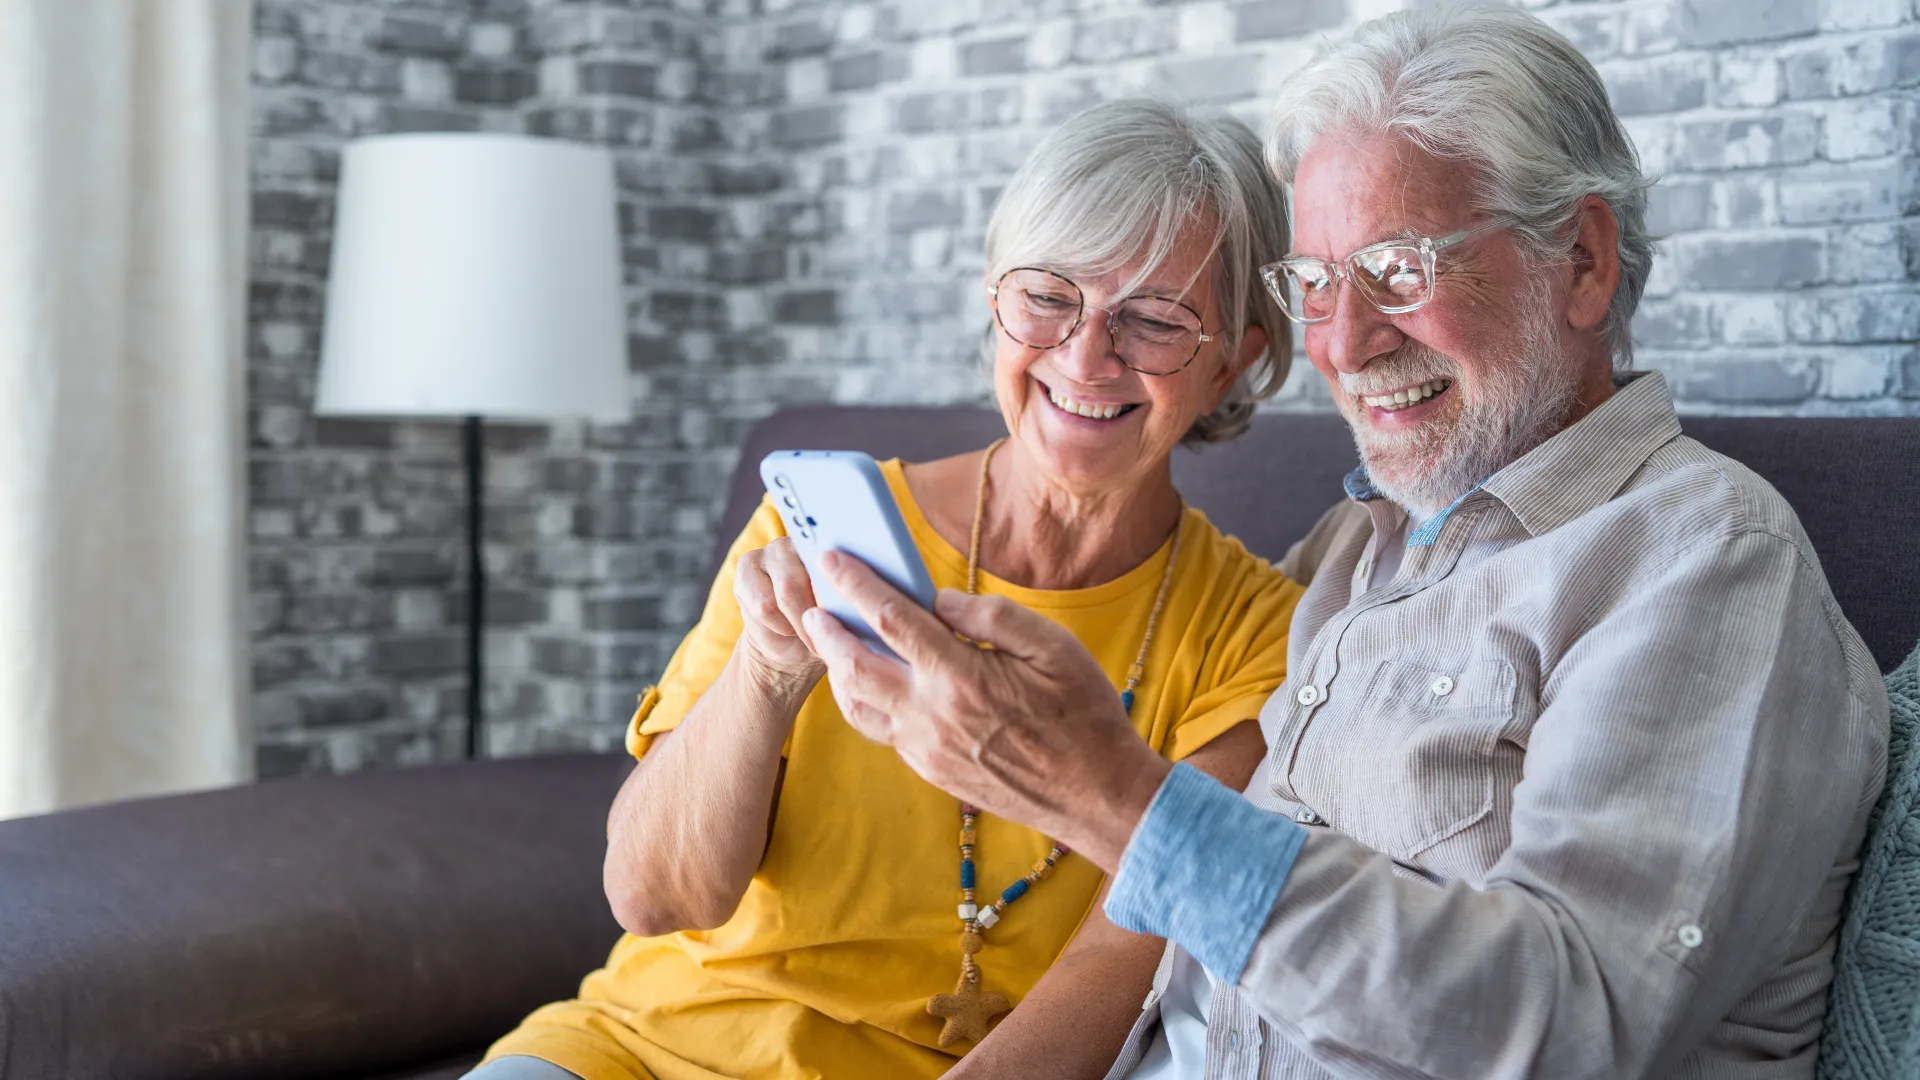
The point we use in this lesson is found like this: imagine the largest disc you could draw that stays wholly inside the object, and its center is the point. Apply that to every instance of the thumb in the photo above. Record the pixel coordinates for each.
(999, 622)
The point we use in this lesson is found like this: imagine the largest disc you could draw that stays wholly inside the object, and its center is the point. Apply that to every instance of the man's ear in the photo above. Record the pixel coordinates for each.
(1596, 264)
(1253, 342)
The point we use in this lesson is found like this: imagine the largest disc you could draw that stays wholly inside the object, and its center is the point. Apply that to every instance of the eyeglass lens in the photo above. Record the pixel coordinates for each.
(1041, 310)
(1393, 279)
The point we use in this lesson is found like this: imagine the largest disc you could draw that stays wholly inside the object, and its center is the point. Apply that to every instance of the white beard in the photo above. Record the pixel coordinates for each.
(1521, 401)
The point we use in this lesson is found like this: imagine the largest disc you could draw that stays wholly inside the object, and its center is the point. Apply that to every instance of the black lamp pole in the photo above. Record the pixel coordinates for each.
(476, 587)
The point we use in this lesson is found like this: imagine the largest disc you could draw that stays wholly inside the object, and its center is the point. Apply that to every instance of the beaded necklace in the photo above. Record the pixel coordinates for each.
(969, 1010)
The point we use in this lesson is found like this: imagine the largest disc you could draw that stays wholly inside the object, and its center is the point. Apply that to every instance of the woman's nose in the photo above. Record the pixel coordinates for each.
(1088, 354)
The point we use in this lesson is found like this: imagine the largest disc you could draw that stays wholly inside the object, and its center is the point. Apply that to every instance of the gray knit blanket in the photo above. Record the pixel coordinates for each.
(1873, 1019)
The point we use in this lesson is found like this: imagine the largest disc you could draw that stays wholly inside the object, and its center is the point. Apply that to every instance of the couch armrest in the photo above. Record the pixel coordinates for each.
(301, 927)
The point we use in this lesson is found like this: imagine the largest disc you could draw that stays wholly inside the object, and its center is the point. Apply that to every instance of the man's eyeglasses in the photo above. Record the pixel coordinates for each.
(1395, 276)
(1151, 334)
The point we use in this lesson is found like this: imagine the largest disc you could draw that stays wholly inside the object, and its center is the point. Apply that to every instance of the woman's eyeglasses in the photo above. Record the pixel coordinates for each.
(1395, 276)
(1041, 310)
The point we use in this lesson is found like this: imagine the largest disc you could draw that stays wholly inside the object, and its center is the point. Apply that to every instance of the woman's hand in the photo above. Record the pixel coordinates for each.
(1030, 730)
(720, 770)
(773, 590)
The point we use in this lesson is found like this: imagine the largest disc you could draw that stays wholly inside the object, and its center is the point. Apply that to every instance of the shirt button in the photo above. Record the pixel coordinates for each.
(1308, 695)
(1233, 1042)
(1691, 936)
(1443, 686)
(1306, 817)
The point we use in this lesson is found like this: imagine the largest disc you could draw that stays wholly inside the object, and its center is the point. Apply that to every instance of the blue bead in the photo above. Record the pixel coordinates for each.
(1014, 891)
(1126, 701)
(966, 873)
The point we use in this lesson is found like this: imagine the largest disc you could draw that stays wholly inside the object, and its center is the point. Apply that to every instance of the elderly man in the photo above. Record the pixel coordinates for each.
(1576, 751)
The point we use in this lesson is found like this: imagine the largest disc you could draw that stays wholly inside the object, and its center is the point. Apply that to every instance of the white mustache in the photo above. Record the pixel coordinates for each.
(1410, 365)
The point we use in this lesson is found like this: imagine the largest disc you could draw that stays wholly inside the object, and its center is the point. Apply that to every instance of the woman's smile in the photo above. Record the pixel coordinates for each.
(1086, 409)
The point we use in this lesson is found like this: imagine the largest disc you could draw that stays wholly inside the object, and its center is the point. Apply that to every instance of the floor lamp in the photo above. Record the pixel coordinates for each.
(474, 277)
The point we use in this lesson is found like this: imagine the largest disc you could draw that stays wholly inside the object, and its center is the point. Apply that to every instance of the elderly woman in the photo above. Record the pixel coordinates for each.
(800, 903)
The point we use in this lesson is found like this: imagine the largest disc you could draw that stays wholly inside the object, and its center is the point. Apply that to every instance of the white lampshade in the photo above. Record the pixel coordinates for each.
(474, 275)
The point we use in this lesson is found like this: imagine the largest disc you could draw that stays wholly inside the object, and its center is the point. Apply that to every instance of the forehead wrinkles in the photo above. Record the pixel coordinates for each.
(1387, 188)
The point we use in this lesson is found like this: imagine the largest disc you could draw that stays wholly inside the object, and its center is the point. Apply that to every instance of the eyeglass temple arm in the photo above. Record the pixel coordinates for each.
(1465, 234)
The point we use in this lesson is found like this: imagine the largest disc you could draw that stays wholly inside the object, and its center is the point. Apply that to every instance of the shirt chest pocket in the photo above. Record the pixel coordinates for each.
(1410, 760)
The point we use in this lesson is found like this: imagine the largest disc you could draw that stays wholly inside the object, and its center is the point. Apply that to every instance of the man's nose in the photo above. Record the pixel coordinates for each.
(1357, 333)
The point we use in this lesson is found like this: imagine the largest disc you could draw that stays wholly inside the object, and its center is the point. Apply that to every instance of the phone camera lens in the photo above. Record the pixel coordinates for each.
(791, 503)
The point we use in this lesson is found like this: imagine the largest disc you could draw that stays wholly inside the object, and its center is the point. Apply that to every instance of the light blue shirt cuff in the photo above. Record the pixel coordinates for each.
(1204, 867)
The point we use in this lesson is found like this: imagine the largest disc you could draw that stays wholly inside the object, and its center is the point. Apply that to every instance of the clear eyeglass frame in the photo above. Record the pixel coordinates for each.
(1201, 337)
(1277, 276)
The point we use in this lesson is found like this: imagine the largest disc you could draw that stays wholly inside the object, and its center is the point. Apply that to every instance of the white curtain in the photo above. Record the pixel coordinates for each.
(123, 216)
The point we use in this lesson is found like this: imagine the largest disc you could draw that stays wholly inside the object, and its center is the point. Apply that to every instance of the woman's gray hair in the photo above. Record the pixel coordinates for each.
(1496, 88)
(1131, 178)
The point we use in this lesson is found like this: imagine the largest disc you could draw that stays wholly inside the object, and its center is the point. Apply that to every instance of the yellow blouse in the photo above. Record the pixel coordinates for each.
(849, 928)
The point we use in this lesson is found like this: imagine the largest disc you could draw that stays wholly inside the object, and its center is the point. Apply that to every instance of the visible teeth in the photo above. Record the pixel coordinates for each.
(1079, 408)
(1400, 399)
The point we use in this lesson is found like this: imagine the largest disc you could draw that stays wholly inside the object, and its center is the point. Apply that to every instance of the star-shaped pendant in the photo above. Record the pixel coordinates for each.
(968, 1011)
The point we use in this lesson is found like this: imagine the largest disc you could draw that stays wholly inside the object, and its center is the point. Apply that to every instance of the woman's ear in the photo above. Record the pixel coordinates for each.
(1253, 342)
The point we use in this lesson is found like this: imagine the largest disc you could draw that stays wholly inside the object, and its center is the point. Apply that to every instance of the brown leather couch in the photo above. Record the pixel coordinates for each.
(391, 924)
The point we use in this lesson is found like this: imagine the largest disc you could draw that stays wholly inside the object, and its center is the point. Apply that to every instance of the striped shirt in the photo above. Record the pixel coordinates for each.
(1576, 793)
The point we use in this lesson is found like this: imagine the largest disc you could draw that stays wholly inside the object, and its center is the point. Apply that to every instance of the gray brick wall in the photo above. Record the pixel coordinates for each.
(597, 535)
(804, 189)
(1784, 133)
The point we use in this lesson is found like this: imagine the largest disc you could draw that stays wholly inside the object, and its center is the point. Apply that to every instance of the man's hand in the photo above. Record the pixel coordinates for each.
(1029, 730)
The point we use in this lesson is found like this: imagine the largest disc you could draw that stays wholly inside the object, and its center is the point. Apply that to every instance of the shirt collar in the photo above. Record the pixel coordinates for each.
(1360, 489)
(1360, 486)
(1577, 469)
(1588, 463)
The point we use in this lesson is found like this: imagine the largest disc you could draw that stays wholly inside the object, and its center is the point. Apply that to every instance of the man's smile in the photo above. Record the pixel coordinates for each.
(1394, 401)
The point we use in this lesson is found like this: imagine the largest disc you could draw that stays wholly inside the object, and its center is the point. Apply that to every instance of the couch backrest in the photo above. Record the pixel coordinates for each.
(1854, 482)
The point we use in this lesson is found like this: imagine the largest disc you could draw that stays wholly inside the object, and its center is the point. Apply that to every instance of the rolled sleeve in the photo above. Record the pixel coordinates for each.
(1204, 868)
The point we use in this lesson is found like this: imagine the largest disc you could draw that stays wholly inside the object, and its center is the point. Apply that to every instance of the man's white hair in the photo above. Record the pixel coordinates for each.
(1499, 90)
(1127, 180)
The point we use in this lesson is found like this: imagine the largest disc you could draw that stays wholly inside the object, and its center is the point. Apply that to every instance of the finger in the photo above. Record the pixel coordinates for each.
(999, 622)
(781, 558)
(869, 721)
(857, 674)
(753, 592)
(906, 627)
(746, 572)
(792, 588)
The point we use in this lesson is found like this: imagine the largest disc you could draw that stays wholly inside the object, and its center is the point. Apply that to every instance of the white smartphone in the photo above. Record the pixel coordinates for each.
(838, 500)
